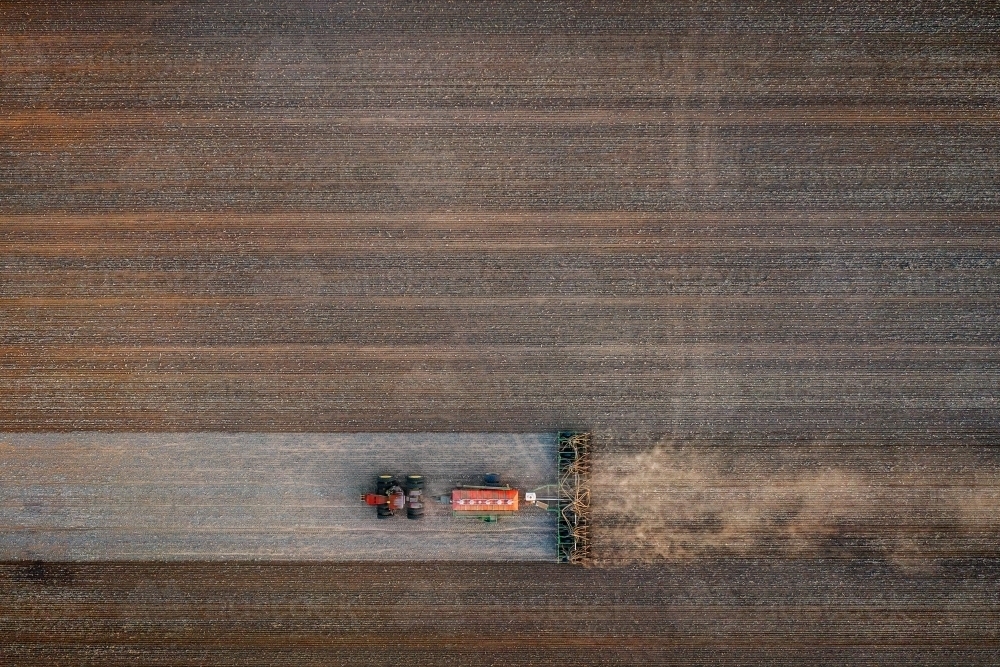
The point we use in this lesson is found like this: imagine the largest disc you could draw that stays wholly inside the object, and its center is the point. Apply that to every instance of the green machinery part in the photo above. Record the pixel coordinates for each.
(573, 506)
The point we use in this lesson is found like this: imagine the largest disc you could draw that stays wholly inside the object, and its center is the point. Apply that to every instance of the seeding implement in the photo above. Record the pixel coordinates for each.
(568, 498)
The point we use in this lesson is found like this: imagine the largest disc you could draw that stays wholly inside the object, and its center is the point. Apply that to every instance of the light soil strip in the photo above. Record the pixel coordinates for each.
(213, 496)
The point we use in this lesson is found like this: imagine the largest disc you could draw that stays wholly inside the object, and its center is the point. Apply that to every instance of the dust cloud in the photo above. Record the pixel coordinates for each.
(681, 501)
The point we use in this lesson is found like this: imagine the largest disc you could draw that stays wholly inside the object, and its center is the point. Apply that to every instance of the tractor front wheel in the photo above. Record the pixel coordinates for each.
(383, 484)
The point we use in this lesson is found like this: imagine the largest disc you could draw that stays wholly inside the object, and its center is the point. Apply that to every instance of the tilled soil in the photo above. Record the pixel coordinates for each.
(730, 612)
(753, 248)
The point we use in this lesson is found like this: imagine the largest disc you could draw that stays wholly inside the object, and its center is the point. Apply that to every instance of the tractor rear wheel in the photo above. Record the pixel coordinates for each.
(415, 482)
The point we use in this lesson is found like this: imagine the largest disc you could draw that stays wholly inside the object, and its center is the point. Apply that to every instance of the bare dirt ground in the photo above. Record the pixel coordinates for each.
(754, 248)
(729, 612)
(215, 496)
(906, 505)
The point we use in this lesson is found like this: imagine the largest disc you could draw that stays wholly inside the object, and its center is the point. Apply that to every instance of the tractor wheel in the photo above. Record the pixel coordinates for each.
(383, 483)
(415, 482)
(414, 512)
(383, 511)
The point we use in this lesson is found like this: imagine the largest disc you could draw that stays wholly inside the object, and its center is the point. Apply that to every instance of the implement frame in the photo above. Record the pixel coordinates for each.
(573, 511)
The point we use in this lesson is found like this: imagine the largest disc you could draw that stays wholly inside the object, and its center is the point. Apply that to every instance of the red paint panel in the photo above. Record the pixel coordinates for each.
(484, 500)
(374, 499)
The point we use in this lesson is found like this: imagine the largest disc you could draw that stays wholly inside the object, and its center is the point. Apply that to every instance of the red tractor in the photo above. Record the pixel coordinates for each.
(391, 497)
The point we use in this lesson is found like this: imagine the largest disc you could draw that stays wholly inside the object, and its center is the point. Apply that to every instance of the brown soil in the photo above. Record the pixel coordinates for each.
(706, 231)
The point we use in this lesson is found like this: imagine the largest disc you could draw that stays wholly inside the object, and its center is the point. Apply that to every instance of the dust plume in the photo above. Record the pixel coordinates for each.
(904, 504)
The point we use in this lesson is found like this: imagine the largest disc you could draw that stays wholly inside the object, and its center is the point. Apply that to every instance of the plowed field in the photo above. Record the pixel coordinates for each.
(753, 248)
